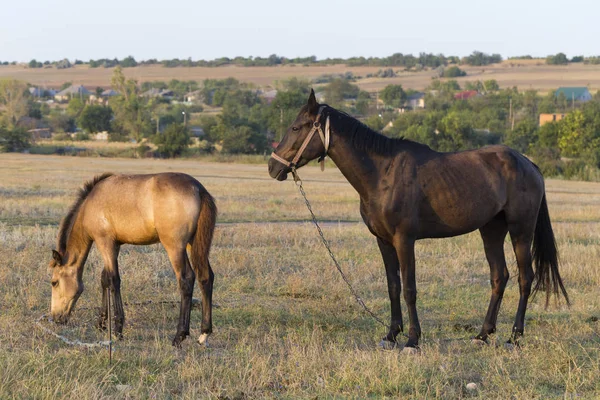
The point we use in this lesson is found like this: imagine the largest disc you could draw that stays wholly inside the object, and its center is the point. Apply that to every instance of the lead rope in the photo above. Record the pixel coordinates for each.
(360, 301)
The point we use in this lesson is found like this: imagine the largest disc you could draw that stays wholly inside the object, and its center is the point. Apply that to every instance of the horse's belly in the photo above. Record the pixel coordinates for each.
(137, 236)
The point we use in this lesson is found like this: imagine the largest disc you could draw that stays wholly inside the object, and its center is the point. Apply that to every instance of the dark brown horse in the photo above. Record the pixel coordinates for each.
(410, 192)
(111, 210)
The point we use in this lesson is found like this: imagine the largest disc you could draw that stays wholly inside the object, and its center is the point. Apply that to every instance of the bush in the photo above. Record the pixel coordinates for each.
(173, 141)
(454, 72)
(14, 140)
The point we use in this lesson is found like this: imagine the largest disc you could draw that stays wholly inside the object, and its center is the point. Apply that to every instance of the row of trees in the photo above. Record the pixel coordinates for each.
(423, 60)
(395, 60)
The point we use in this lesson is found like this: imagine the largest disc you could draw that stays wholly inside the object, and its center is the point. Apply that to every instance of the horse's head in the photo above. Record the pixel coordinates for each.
(300, 143)
(67, 286)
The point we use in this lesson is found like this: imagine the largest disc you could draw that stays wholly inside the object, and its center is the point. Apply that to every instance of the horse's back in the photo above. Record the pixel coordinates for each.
(143, 209)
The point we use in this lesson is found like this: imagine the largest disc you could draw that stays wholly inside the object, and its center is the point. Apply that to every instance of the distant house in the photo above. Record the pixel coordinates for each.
(546, 118)
(269, 96)
(416, 100)
(109, 93)
(70, 92)
(466, 94)
(154, 92)
(581, 94)
(40, 133)
(193, 97)
(197, 131)
(41, 92)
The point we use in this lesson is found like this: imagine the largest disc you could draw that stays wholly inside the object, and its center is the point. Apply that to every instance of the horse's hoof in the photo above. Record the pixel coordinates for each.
(410, 351)
(479, 342)
(510, 346)
(203, 339)
(387, 345)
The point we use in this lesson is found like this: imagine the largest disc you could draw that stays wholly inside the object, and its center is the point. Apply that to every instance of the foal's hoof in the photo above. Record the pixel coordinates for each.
(387, 345)
(203, 339)
(479, 342)
(411, 351)
(180, 337)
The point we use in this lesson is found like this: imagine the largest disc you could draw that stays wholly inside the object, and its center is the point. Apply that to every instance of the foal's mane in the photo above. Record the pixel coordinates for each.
(67, 222)
(364, 138)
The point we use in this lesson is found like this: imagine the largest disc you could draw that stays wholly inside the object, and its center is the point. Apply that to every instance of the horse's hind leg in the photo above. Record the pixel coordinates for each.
(493, 234)
(206, 278)
(185, 277)
(521, 240)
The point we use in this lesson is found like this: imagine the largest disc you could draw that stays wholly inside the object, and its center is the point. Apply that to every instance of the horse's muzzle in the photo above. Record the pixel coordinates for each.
(277, 170)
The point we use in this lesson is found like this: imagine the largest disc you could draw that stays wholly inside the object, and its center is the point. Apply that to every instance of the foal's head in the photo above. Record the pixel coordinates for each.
(67, 286)
(294, 137)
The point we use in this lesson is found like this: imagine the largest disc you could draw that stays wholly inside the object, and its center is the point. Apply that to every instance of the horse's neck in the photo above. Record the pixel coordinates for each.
(358, 166)
(78, 245)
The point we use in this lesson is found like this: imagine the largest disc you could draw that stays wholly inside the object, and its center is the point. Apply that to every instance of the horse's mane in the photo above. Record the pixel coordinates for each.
(67, 222)
(364, 138)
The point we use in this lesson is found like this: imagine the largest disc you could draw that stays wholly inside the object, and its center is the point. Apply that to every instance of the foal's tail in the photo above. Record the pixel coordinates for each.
(545, 255)
(204, 232)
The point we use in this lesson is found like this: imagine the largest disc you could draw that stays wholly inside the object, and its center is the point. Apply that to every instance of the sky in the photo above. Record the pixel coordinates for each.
(92, 29)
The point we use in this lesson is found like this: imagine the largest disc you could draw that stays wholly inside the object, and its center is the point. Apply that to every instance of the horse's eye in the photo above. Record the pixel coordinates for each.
(54, 283)
(295, 128)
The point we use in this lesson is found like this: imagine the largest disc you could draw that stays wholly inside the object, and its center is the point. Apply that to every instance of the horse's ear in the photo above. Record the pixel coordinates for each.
(312, 102)
(57, 257)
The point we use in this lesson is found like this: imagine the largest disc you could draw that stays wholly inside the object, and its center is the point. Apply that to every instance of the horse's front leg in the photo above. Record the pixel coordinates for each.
(103, 316)
(405, 248)
(392, 270)
(111, 280)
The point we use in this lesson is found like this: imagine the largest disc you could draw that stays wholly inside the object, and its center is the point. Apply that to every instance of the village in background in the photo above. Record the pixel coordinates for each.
(454, 106)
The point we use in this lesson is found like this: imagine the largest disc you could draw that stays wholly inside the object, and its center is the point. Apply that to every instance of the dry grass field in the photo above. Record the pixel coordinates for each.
(286, 325)
(525, 74)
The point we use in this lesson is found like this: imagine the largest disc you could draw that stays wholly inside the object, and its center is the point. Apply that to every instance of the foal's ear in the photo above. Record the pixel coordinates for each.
(312, 102)
(57, 257)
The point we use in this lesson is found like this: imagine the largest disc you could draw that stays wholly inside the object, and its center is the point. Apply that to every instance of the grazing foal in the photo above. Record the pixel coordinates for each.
(111, 210)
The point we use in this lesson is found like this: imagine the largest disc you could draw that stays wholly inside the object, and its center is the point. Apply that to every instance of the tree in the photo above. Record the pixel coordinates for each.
(132, 112)
(573, 136)
(173, 141)
(454, 72)
(393, 96)
(523, 136)
(557, 59)
(14, 140)
(13, 96)
(339, 90)
(95, 118)
(128, 62)
(243, 139)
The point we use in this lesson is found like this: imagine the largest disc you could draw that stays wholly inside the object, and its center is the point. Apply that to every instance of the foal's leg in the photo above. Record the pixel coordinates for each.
(392, 270)
(522, 246)
(406, 255)
(111, 279)
(206, 278)
(185, 277)
(493, 235)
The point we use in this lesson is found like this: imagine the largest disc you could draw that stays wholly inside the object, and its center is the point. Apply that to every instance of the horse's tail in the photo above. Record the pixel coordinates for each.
(204, 232)
(545, 255)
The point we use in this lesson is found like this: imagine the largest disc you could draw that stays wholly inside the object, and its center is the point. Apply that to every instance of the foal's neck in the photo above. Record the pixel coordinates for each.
(78, 245)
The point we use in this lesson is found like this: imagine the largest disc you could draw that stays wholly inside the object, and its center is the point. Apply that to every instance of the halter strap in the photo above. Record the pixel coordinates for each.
(325, 138)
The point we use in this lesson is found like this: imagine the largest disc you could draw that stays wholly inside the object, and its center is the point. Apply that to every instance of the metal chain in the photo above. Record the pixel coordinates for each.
(360, 301)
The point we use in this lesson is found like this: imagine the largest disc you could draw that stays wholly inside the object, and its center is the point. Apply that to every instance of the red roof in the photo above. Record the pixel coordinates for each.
(467, 94)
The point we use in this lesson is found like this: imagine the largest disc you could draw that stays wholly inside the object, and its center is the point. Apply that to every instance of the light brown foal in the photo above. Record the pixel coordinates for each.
(111, 210)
